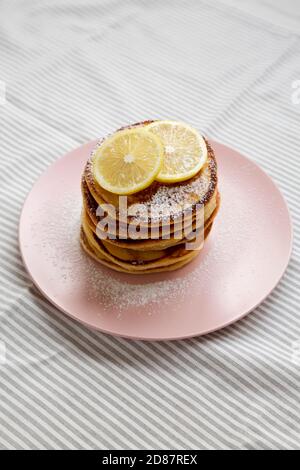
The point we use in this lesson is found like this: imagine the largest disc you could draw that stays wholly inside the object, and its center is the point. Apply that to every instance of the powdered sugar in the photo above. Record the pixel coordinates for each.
(56, 235)
(170, 201)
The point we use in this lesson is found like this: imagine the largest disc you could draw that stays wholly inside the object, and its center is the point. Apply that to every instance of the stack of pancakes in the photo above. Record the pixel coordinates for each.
(156, 240)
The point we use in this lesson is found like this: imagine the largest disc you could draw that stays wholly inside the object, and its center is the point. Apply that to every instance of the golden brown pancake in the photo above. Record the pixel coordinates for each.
(162, 206)
(145, 268)
(167, 201)
(135, 261)
(154, 244)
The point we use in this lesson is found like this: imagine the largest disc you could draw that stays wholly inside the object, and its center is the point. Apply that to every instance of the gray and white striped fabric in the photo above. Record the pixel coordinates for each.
(73, 71)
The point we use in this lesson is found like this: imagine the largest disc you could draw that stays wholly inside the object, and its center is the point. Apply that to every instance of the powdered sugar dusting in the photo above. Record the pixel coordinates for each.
(56, 235)
(170, 201)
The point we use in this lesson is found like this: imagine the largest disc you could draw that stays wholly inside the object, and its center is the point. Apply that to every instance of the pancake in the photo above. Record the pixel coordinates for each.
(160, 207)
(110, 265)
(160, 244)
(146, 268)
(174, 228)
(167, 202)
(138, 262)
(91, 206)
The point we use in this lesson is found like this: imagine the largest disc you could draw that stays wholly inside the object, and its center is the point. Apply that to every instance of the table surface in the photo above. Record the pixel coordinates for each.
(73, 71)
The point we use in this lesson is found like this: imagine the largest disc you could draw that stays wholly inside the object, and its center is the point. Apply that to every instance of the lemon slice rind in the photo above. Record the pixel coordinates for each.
(128, 161)
(185, 150)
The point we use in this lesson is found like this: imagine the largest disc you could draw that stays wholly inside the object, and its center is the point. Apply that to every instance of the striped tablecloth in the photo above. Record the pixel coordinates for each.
(74, 70)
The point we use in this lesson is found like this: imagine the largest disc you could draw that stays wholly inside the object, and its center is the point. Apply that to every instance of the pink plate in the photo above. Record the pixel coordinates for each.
(243, 260)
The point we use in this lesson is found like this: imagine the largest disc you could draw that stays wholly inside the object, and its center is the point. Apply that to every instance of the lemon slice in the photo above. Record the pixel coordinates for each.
(128, 161)
(185, 151)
